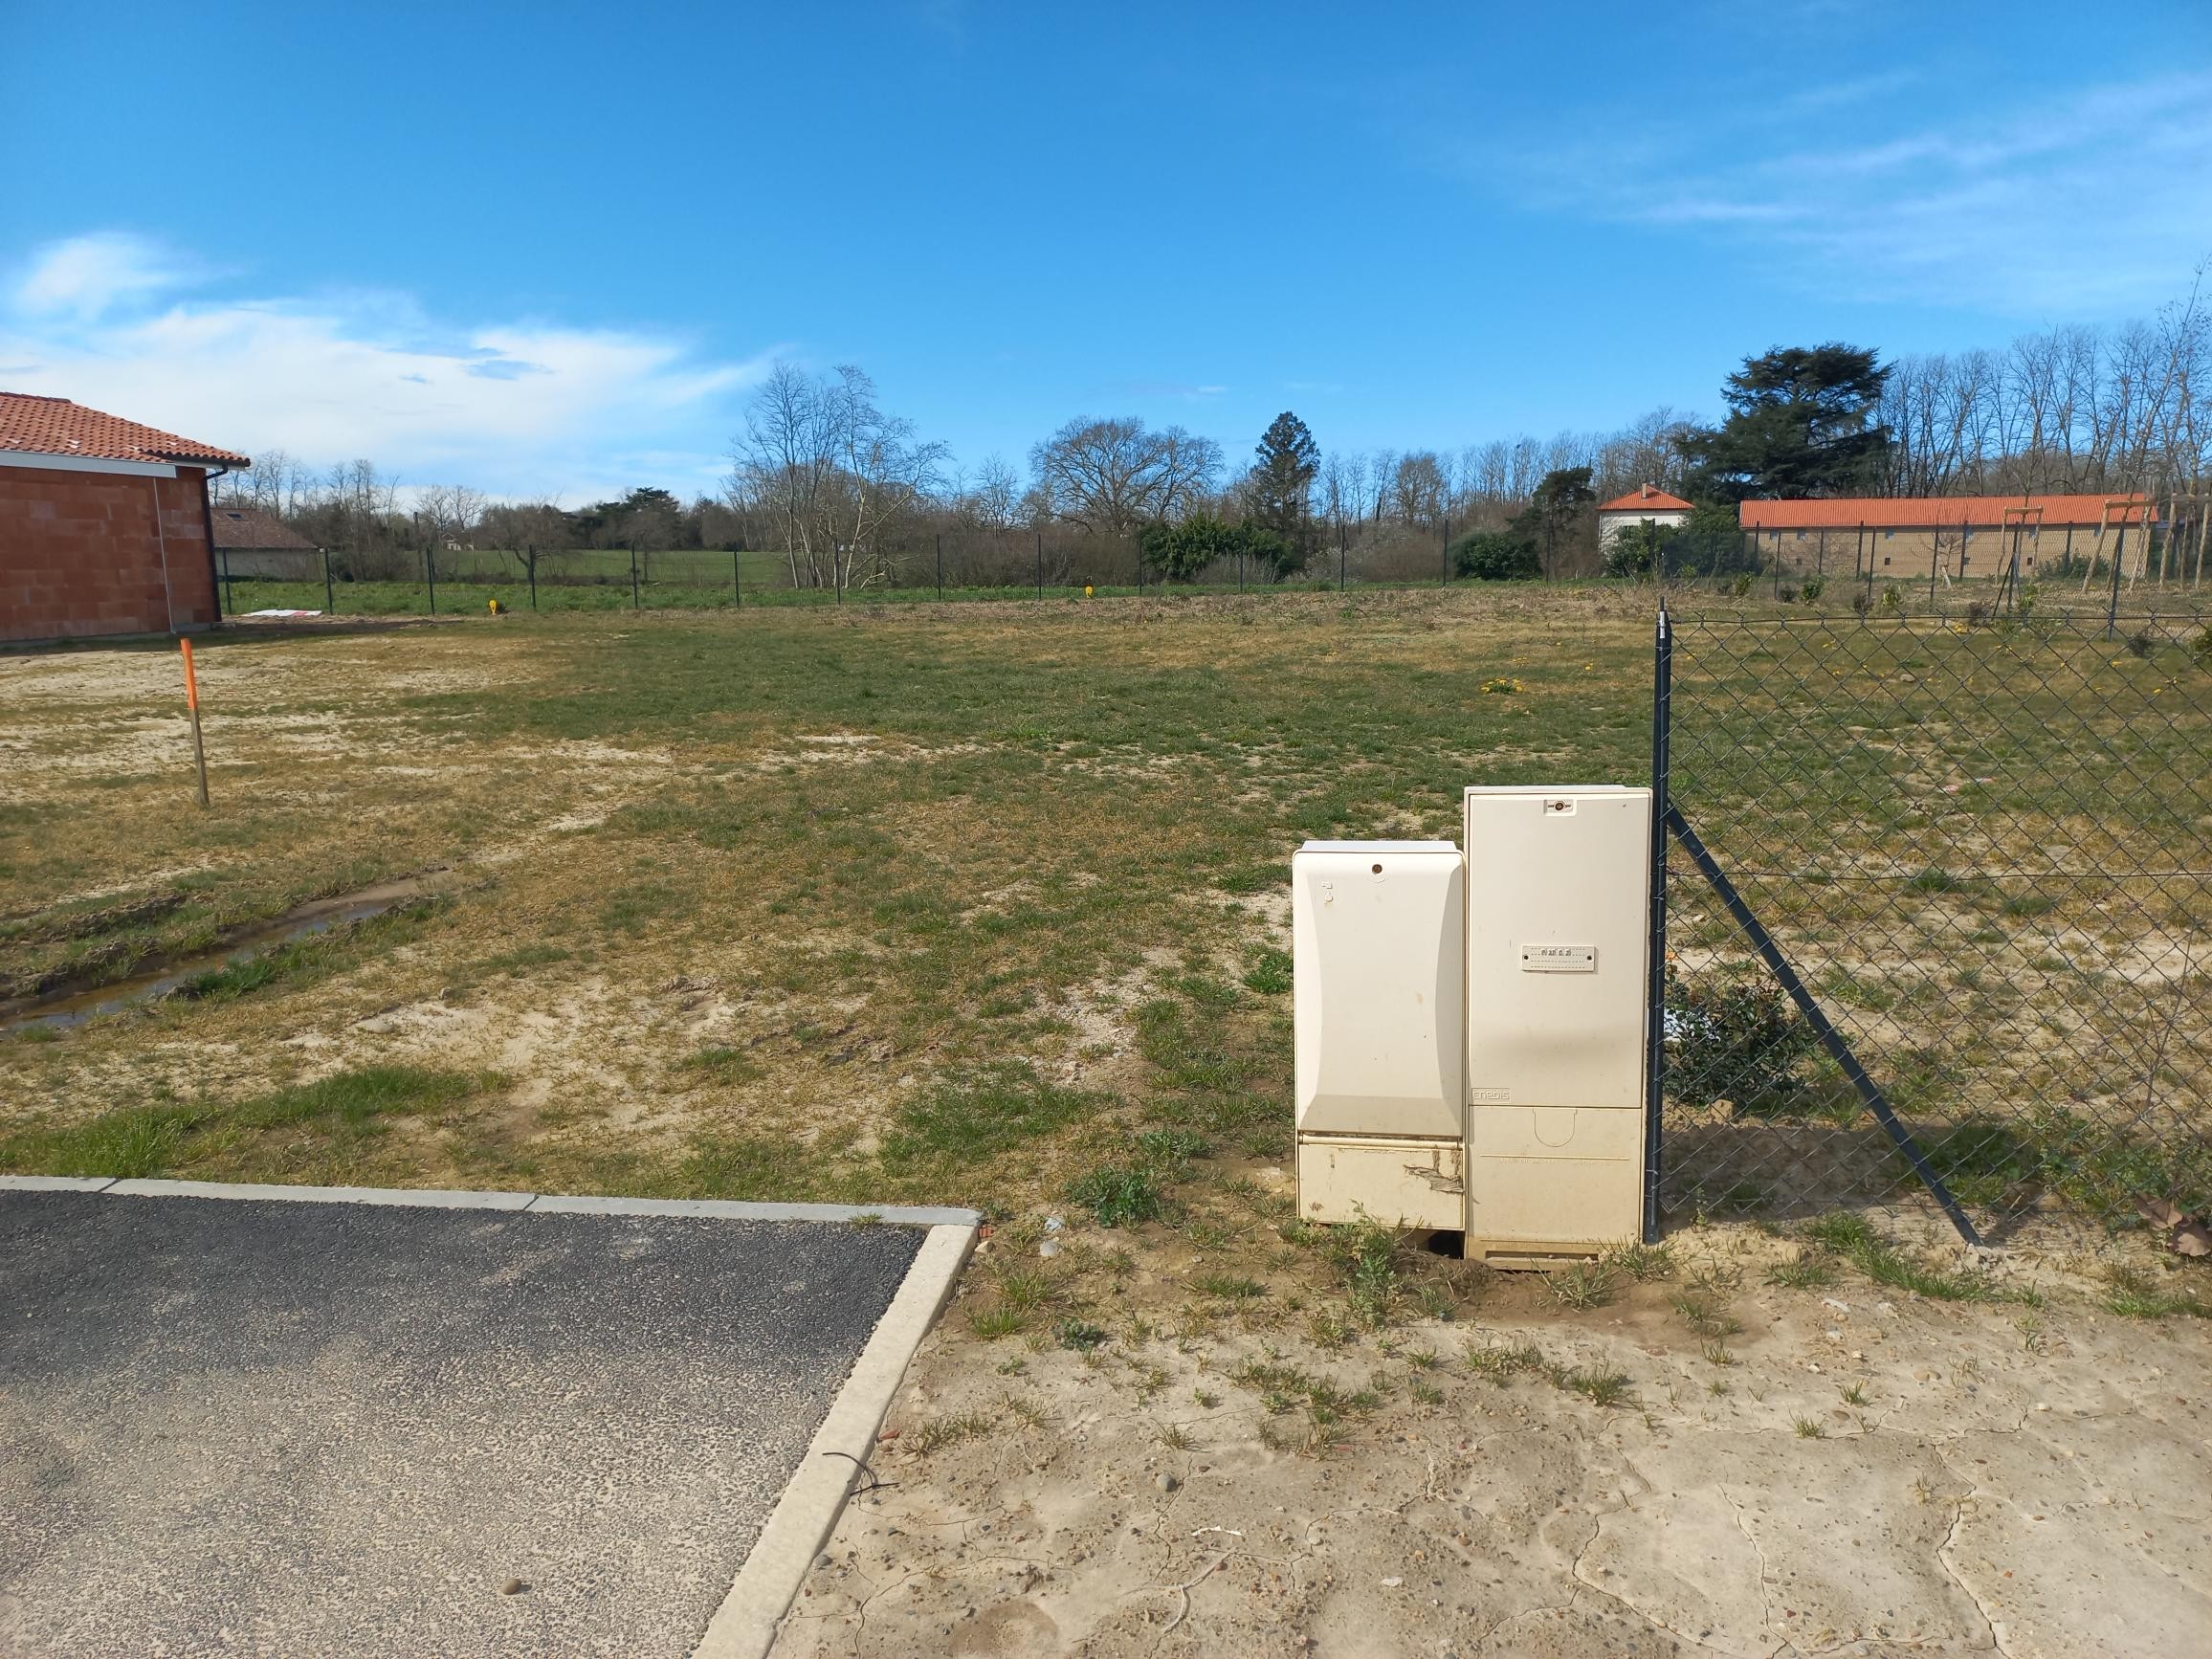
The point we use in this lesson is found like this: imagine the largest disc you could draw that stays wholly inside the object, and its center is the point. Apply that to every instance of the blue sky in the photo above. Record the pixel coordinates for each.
(549, 249)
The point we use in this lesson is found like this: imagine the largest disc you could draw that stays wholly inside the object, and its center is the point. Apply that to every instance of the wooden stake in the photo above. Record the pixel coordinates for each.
(192, 702)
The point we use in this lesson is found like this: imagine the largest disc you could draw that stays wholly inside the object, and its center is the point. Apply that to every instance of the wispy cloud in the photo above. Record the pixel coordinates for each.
(2068, 202)
(516, 407)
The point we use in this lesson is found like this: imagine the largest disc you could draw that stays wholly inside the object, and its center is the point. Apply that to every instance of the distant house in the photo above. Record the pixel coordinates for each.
(249, 543)
(1956, 536)
(1648, 505)
(104, 524)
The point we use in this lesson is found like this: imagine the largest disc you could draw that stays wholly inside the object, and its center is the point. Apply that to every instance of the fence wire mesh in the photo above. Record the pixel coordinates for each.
(1985, 848)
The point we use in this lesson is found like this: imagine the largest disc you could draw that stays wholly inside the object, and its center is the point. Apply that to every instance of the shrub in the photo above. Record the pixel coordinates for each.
(1814, 587)
(1495, 556)
(2201, 648)
(1733, 1036)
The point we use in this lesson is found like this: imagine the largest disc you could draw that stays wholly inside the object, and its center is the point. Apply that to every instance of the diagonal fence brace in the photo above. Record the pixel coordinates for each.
(1831, 1039)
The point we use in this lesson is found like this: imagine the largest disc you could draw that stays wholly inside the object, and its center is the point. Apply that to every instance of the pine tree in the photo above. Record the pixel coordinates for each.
(1802, 421)
(1282, 484)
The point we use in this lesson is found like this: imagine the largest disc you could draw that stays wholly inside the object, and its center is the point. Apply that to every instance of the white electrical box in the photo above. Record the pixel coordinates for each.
(1378, 944)
(1557, 956)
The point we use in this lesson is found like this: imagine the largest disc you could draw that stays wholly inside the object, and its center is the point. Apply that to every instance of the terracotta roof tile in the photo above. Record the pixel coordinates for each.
(1928, 512)
(54, 425)
(1649, 499)
(243, 527)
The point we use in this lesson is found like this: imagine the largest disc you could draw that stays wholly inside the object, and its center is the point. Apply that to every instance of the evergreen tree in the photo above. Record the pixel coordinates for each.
(1801, 422)
(1282, 484)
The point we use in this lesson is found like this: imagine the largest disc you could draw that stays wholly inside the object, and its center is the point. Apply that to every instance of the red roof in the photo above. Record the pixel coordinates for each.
(249, 529)
(54, 425)
(1649, 499)
(1926, 512)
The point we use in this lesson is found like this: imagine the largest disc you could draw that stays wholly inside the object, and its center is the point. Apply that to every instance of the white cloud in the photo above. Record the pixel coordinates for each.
(2066, 202)
(515, 407)
(88, 276)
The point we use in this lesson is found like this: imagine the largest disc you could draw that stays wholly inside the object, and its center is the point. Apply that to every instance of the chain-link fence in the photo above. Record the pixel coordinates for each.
(1939, 913)
(1053, 563)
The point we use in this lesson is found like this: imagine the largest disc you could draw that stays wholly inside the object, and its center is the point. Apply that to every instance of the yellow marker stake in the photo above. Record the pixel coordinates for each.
(192, 702)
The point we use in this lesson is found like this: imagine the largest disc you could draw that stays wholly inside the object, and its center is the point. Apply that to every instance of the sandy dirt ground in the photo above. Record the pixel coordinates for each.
(1868, 1473)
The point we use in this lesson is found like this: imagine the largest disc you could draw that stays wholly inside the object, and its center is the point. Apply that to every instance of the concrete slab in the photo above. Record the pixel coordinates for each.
(308, 1428)
(55, 1183)
(412, 1198)
(736, 1209)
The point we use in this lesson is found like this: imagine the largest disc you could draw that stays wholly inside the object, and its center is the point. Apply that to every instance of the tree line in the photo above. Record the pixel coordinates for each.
(842, 489)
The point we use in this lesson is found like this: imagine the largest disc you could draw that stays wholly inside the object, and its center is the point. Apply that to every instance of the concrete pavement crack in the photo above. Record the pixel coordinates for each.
(1943, 1560)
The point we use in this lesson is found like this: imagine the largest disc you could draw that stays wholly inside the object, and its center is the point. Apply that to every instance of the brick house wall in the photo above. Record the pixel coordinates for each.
(85, 553)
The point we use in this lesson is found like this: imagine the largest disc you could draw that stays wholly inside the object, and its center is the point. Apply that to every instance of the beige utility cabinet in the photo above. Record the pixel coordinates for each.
(1378, 944)
(1558, 956)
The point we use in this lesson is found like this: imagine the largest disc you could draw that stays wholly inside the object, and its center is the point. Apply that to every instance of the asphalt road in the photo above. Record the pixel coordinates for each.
(304, 1427)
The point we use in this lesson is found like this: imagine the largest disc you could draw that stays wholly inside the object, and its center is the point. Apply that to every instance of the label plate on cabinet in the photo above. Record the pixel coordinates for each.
(1558, 959)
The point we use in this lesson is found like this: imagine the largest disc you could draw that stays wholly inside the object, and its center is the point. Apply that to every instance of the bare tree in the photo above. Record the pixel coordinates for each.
(1113, 476)
(832, 473)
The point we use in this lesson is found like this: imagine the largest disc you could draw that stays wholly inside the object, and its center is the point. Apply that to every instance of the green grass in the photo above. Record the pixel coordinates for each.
(2136, 1295)
(1852, 1237)
(1118, 1196)
(303, 1126)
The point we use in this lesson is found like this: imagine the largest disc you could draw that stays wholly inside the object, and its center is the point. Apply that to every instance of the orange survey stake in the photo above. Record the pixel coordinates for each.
(193, 703)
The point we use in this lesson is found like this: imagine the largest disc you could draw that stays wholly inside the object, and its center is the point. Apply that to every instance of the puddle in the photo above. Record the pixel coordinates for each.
(64, 1008)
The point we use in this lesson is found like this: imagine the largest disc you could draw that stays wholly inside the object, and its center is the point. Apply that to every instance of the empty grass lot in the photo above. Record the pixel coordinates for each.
(888, 904)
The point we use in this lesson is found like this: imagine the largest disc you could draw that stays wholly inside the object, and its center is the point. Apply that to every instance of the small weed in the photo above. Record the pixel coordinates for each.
(1717, 1354)
(1598, 1387)
(1584, 1286)
(1017, 1366)
(1852, 1237)
(940, 1432)
(1172, 1148)
(1232, 1289)
(1809, 1430)
(992, 1323)
(1030, 1411)
(1419, 1359)
(1426, 1392)
(1641, 1262)
(1706, 1316)
(1716, 1388)
(867, 1218)
(1435, 1301)
(1501, 1365)
(1118, 1196)
(1808, 1273)
(1078, 1334)
(1854, 1395)
(2031, 1332)
(2136, 1295)
(1028, 1289)
(1367, 1256)
(1270, 972)
(1206, 1397)
(1175, 1438)
(1327, 1329)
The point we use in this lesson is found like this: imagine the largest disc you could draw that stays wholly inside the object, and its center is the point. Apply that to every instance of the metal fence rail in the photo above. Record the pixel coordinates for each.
(1982, 853)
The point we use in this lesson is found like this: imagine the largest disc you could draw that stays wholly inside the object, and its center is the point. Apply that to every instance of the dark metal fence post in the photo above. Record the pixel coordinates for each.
(430, 576)
(633, 603)
(1240, 570)
(329, 590)
(940, 567)
(1444, 556)
(230, 598)
(1342, 554)
(1040, 562)
(2113, 606)
(736, 578)
(1655, 1003)
(532, 557)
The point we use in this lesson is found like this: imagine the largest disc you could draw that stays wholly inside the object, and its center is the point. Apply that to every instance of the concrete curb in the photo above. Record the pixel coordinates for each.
(746, 1625)
(536, 1203)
